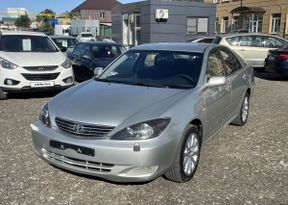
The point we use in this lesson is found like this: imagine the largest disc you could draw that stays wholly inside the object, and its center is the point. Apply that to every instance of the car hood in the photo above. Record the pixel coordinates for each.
(34, 58)
(113, 104)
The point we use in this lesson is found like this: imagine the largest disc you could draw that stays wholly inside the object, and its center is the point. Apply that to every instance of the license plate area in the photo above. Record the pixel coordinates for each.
(41, 84)
(79, 149)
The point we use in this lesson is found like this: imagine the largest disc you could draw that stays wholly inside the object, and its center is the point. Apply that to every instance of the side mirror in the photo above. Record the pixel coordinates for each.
(63, 49)
(216, 81)
(98, 71)
(86, 57)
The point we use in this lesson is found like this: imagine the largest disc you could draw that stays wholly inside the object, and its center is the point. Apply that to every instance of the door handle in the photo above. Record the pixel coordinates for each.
(242, 49)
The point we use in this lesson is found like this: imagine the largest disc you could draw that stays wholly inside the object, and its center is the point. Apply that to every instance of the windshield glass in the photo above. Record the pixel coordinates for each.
(23, 43)
(156, 69)
(107, 51)
(65, 42)
(86, 35)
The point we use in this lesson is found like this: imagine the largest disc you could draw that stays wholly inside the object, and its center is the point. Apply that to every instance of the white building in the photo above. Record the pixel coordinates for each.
(16, 12)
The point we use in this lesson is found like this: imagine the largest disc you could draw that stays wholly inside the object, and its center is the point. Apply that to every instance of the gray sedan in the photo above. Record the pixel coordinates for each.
(147, 114)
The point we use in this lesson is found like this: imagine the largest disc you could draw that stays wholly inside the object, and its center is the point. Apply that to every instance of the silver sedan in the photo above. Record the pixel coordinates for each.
(147, 114)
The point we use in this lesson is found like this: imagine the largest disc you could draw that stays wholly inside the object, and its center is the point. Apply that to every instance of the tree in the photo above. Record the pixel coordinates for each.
(46, 18)
(71, 15)
(23, 21)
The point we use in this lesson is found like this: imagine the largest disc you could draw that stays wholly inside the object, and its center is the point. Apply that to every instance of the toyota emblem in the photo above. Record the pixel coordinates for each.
(78, 128)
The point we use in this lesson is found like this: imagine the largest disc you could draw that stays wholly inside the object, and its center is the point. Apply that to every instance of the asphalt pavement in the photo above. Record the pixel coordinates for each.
(241, 165)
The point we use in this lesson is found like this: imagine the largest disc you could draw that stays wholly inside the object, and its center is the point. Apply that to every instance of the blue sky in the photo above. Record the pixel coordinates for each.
(35, 6)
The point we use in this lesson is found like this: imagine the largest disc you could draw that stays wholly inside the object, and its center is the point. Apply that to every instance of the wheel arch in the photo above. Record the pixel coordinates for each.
(197, 122)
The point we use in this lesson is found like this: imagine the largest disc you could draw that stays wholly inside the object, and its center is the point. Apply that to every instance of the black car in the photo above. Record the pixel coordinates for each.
(87, 56)
(277, 61)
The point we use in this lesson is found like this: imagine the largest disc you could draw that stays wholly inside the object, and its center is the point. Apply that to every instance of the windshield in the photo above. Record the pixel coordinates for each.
(156, 69)
(107, 51)
(23, 43)
(65, 42)
(86, 35)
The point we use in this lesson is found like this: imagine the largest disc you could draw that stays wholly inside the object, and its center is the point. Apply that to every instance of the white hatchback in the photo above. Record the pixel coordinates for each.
(253, 47)
(32, 61)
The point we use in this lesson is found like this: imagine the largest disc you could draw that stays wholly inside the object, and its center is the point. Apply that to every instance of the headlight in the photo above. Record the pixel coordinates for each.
(44, 116)
(7, 64)
(143, 130)
(67, 63)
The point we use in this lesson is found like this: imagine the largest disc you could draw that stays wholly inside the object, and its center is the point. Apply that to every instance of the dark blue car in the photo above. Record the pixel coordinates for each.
(90, 55)
(277, 61)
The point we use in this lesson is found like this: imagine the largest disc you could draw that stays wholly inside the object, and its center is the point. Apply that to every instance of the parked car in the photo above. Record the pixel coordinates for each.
(90, 55)
(252, 47)
(65, 43)
(85, 37)
(202, 39)
(31, 61)
(147, 114)
(277, 61)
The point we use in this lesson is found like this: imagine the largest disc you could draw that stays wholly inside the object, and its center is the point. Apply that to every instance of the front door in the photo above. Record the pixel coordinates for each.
(217, 99)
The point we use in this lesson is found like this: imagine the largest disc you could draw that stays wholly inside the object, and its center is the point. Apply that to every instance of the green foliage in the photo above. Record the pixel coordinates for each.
(74, 15)
(45, 16)
(23, 21)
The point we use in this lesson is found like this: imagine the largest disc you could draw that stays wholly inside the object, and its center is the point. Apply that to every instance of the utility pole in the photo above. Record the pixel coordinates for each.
(241, 3)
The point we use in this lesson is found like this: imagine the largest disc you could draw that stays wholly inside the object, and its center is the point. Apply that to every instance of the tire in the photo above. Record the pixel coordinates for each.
(3, 95)
(243, 113)
(179, 172)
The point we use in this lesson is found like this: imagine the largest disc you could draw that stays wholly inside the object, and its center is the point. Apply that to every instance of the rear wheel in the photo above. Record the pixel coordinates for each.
(3, 95)
(243, 114)
(187, 158)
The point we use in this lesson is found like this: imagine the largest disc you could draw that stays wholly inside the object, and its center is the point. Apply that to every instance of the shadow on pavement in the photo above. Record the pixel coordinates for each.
(262, 74)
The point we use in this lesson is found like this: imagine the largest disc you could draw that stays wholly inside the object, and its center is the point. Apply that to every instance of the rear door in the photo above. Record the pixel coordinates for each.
(252, 49)
(217, 99)
(237, 77)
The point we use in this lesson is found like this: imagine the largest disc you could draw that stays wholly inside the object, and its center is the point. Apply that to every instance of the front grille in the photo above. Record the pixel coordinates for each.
(78, 163)
(40, 77)
(83, 129)
(40, 68)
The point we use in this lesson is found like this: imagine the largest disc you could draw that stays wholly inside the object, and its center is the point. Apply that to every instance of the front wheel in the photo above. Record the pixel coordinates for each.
(243, 114)
(187, 157)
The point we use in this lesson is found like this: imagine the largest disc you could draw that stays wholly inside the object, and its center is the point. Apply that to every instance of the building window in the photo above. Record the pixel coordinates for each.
(197, 25)
(102, 15)
(253, 22)
(225, 25)
(276, 23)
(235, 23)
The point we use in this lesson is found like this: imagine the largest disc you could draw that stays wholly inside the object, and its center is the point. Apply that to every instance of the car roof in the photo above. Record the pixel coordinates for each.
(63, 37)
(187, 47)
(246, 34)
(100, 43)
(24, 33)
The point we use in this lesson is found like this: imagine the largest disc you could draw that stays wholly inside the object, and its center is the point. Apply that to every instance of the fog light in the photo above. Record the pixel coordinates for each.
(68, 80)
(141, 171)
(11, 82)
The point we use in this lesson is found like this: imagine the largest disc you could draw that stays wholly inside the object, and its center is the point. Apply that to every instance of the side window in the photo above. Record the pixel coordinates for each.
(233, 41)
(231, 62)
(86, 51)
(245, 41)
(77, 51)
(215, 66)
(272, 42)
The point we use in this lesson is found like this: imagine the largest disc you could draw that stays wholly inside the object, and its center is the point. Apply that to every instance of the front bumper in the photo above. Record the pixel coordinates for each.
(114, 160)
(26, 85)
